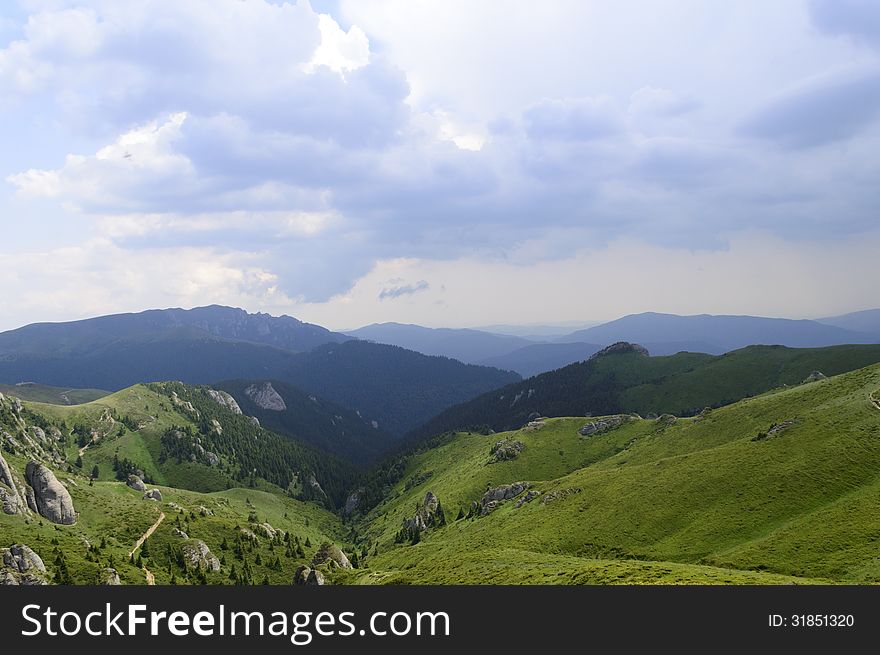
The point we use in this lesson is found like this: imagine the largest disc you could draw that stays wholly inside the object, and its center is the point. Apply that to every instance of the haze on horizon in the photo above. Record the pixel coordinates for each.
(441, 163)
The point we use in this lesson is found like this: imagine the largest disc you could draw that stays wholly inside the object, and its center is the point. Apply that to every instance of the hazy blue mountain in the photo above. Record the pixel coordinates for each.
(397, 388)
(536, 331)
(718, 333)
(867, 321)
(214, 321)
(465, 345)
(541, 357)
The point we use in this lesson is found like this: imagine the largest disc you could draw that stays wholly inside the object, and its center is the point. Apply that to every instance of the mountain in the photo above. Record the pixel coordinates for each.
(622, 378)
(53, 395)
(718, 333)
(284, 409)
(469, 346)
(776, 489)
(398, 388)
(537, 331)
(867, 321)
(220, 490)
(215, 321)
(541, 357)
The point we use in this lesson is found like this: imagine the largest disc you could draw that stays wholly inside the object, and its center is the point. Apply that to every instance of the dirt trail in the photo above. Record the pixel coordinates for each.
(146, 535)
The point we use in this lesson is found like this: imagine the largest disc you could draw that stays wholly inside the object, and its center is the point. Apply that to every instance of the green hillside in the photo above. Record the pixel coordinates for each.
(777, 488)
(624, 379)
(656, 500)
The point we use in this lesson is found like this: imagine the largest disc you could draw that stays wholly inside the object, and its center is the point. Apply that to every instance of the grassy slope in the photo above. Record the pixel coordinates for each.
(699, 493)
(113, 511)
(682, 384)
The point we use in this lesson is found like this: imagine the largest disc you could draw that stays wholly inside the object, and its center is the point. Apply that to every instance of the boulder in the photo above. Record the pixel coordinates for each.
(301, 575)
(602, 425)
(815, 376)
(109, 577)
(136, 483)
(315, 579)
(51, 498)
(153, 494)
(330, 554)
(506, 449)
(19, 565)
(494, 497)
(197, 555)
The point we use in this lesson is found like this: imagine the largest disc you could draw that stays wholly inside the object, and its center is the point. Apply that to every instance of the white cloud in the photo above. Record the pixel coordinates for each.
(339, 50)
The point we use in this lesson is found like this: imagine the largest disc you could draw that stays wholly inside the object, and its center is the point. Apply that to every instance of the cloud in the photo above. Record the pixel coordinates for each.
(831, 108)
(578, 119)
(403, 290)
(859, 19)
(321, 145)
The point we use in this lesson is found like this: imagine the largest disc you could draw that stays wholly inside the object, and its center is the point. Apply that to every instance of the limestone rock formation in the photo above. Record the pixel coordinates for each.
(51, 498)
(12, 497)
(506, 449)
(153, 494)
(602, 425)
(330, 554)
(197, 555)
(136, 483)
(109, 577)
(223, 399)
(265, 396)
(494, 497)
(19, 565)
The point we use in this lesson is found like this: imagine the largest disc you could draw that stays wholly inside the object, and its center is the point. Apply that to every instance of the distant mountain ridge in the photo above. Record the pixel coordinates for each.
(723, 333)
(399, 389)
(213, 321)
(466, 345)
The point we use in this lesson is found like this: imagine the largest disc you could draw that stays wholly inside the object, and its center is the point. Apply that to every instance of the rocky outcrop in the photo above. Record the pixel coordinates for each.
(12, 497)
(223, 399)
(254, 420)
(527, 498)
(665, 420)
(559, 494)
(505, 450)
(136, 483)
(153, 494)
(352, 503)
(428, 515)
(602, 425)
(185, 406)
(315, 486)
(305, 576)
(21, 566)
(265, 396)
(51, 498)
(331, 555)
(494, 497)
(815, 376)
(197, 555)
(266, 530)
(109, 577)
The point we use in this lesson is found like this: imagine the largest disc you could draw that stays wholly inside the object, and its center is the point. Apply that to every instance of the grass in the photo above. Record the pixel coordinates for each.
(716, 499)
(707, 492)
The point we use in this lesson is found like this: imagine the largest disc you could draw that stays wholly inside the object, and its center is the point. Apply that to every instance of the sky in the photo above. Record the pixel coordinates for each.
(454, 163)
